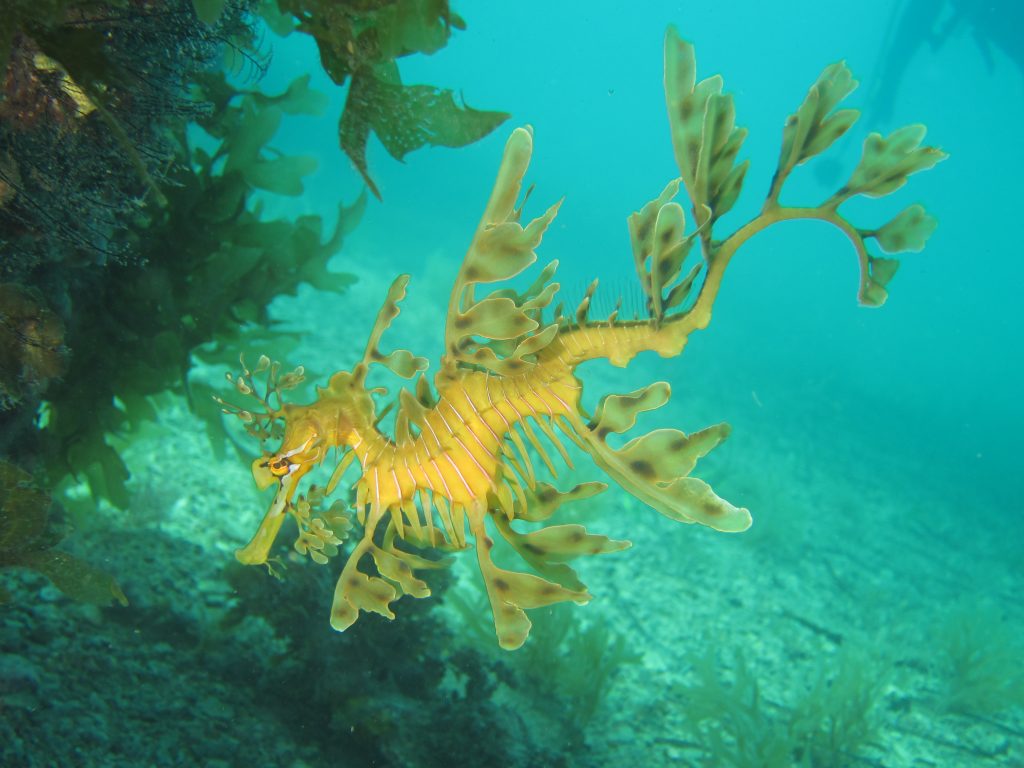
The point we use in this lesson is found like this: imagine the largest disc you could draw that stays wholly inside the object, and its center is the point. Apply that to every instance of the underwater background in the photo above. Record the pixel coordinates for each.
(872, 614)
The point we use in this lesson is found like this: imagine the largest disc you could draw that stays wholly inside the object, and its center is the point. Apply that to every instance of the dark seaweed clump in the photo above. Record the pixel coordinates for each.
(84, 123)
(90, 155)
(140, 248)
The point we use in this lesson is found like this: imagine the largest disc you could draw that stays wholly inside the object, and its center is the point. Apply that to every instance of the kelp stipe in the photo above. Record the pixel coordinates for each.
(459, 460)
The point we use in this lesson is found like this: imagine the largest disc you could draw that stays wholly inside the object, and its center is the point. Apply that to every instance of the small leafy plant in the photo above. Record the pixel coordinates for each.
(982, 663)
(733, 724)
(28, 541)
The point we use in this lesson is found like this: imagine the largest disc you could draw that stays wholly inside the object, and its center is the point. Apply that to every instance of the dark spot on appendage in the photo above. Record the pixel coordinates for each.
(545, 494)
(711, 509)
(576, 536)
(720, 120)
(501, 585)
(644, 229)
(693, 152)
(678, 445)
(513, 365)
(353, 581)
(461, 321)
(533, 549)
(642, 467)
(471, 273)
(667, 235)
(685, 110)
(548, 589)
(603, 432)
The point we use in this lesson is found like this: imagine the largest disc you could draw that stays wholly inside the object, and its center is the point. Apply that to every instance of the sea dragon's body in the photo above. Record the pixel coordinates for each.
(459, 459)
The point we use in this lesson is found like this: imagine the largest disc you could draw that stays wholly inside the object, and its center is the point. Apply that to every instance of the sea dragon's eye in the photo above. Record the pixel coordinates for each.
(280, 466)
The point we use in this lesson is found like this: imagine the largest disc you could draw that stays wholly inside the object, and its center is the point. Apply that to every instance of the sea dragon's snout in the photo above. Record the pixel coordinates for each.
(286, 469)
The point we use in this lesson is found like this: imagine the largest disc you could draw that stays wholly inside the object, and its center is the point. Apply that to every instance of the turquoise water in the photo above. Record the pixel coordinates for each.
(871, 616)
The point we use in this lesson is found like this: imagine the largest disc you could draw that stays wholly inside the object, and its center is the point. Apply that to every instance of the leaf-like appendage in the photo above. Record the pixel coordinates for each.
(393, 566)
(502, 331)
(691, 500)
(671, 248)
(357, 592)
(666, 454)
(816, 125)
(504, 249)
(907, 232)
(540, 292)
(887, 162)
(660, 246)
(535, 342)
(559, 543)
(400, 361)
(704, 134)
(641, 232)
(511, 593)
(617, 413)
(654, 468)
(545, 499)
(410, 409)
(549, 549)
(403, 363)
(873, 291)
(493, 319)
(885, 165)
(681, 290)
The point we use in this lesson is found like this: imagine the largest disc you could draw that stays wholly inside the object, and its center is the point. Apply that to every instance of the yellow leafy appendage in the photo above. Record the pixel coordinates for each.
(458, 468)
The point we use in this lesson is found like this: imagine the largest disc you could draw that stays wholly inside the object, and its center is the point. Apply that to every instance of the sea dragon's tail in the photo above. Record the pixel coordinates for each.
(706, 141)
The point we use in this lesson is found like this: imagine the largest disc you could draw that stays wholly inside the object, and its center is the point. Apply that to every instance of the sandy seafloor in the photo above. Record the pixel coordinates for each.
(874, 449)
(843, 558)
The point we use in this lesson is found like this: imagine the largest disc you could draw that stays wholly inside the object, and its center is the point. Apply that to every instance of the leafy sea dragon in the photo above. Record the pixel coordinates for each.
(458, 468)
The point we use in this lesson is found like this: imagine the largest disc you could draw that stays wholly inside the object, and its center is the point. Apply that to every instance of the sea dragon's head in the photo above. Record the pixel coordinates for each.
(302, 447)
(307, 433)
(300, 451)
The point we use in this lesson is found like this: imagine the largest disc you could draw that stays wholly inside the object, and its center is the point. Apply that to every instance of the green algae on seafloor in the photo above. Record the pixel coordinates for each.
(27, 541)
